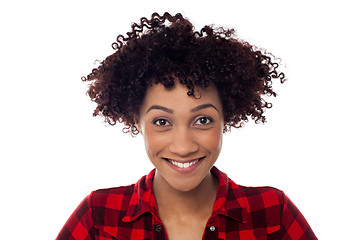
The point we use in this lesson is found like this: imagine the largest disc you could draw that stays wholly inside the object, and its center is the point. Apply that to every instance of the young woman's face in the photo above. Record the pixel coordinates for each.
(182, 134)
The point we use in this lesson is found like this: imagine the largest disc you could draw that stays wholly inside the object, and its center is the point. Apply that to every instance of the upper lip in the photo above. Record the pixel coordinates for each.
(184, 161)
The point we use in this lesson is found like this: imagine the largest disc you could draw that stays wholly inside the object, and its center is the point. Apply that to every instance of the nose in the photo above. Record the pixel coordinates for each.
(183, 143)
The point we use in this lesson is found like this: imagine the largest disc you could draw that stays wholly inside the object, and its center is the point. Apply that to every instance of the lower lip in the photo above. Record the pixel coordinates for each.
(185, 170)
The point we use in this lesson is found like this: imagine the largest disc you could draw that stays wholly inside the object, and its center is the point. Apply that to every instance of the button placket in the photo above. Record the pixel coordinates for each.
(211, 232)
(158, 228)
(158, 231)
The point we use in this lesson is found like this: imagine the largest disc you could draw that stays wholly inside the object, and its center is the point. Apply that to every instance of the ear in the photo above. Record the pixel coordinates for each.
(224, 127)
(137, 124)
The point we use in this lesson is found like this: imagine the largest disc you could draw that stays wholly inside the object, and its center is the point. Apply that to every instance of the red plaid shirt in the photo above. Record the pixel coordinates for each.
(239, 212)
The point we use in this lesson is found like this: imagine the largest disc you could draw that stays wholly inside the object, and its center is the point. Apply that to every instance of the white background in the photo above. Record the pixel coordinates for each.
(53, 152)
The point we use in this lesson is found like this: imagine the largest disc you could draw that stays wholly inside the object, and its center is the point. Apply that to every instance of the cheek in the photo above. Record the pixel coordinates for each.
(154, 143)
(213, 141)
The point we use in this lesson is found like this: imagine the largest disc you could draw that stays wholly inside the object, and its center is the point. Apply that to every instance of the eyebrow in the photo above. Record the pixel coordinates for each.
(160, 108)
(203, 106)
(195, 109)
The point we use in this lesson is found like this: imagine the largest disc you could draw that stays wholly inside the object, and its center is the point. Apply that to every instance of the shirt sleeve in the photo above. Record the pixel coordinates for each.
(80, 224)
(293, 224)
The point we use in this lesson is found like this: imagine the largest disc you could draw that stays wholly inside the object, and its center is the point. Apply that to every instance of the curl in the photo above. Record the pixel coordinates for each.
(165, 48)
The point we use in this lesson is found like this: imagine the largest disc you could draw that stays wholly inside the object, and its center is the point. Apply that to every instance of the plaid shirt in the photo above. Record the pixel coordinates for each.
(239, 212)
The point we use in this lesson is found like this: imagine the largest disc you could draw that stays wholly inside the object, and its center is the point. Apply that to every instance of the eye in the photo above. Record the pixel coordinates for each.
(203, 121)
(161, 122)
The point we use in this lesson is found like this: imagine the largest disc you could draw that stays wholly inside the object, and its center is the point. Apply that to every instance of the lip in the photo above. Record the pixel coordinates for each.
(186, 169)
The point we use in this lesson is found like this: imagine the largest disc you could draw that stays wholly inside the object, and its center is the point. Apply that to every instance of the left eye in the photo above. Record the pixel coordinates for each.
(204, 121)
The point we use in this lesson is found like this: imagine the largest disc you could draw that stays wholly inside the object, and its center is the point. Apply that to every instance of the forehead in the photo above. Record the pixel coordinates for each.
(177, 96)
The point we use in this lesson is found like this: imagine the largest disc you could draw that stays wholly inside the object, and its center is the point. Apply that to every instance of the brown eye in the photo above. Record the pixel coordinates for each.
(161, 122)
(204, 121)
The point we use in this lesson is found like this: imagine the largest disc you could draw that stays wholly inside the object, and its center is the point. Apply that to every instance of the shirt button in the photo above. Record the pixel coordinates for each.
(212, 228)
(158, 228)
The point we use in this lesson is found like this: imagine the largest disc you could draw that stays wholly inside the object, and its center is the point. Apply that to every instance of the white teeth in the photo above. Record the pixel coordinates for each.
(183, 165)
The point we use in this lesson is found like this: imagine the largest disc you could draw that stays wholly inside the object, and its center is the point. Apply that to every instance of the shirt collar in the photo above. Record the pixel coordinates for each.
(142, 200)
(230, 200)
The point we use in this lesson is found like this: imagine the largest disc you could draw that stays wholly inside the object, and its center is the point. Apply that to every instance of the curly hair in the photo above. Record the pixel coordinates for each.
(166, 48)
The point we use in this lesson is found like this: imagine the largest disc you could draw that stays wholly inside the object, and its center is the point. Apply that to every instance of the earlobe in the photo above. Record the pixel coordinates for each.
(137, 124)
(224, 127)
(139, 129)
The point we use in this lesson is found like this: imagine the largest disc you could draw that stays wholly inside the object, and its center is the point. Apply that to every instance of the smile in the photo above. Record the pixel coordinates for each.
(184, 165)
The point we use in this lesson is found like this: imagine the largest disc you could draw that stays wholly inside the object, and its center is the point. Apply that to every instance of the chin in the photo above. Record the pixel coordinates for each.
(185, 187)
(186, 184)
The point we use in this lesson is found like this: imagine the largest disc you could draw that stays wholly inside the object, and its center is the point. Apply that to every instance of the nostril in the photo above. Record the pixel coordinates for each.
(183, 149)
(183, 143)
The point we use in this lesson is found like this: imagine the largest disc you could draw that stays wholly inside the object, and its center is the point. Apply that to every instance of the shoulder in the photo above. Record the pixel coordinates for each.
(270, 206)
(267, 199)
(252, 198)
(111, 197)
(100, 208)
(265, 193)
(108, 205)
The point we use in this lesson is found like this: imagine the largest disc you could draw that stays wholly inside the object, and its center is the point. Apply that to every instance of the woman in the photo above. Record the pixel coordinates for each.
(182, 90)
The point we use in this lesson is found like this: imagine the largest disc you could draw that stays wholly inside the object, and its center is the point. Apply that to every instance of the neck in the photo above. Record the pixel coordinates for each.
(197, 202)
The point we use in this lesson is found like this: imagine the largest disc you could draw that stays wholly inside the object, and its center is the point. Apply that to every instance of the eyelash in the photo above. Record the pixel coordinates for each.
(208, 119)
(159, 119)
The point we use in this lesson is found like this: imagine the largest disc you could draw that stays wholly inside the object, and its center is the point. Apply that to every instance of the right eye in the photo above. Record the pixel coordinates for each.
(161, 122)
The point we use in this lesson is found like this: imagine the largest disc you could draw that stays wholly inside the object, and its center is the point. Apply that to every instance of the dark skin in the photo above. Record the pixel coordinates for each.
(189, 212)
(183, 139)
